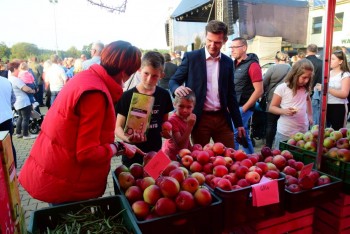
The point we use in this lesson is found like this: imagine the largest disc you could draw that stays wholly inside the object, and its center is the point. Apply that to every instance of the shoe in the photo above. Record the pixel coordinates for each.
(35, 105)
(19, 135)
(29, 137)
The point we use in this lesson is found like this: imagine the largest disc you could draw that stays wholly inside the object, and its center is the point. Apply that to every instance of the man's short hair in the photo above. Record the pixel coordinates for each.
(312, 48)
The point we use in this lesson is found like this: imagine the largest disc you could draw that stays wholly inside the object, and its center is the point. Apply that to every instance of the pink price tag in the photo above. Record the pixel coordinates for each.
(265, 192)
(306, 170)
(157, 164)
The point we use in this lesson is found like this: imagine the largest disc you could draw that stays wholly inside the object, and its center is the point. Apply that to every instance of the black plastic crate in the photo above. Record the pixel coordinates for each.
(317, 195)
(203, 220)
(239, 209)
(50, 217)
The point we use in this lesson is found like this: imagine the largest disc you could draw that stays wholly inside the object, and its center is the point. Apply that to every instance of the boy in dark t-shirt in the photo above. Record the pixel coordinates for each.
(151, 72)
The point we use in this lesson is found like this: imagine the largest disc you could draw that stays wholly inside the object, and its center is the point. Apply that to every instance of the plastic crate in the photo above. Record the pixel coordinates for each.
(312, 197)
(206, 220)
(50, 217)
(239, 209)
(299, 154)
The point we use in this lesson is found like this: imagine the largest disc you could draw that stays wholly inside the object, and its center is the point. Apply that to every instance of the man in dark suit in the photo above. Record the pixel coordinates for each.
(209, 74)
(311, 52)
(169, 71)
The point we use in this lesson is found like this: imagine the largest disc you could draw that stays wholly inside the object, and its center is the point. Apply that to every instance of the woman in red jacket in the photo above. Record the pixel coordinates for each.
(70, 160)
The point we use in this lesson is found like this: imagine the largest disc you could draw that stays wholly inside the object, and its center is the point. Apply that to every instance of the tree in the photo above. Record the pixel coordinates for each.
(5, 52)
(23, 50)
(73, 52)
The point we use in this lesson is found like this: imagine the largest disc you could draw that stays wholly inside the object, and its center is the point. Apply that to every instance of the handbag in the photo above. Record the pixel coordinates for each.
(263, 101)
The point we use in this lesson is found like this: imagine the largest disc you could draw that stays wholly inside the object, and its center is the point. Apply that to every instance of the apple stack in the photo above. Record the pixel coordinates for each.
(230, 174)
(174, 197)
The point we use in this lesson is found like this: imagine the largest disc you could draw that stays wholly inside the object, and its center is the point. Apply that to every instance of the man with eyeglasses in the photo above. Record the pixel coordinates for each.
(96, 50)
(248, 84)
(209, 74)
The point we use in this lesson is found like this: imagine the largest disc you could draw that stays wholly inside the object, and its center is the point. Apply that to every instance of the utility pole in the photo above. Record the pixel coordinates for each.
(54, 18)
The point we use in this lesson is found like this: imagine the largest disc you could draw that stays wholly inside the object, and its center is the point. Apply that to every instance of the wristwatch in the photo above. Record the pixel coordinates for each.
(120, 148)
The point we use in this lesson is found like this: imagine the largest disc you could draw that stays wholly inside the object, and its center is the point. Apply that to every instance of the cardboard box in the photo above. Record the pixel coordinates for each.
(139, 115)
(9, 185)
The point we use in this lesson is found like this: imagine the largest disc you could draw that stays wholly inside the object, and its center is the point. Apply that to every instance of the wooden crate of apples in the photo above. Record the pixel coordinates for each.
(174, 202)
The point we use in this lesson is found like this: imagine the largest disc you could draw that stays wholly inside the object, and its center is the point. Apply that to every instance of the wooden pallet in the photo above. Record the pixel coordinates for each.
(333, 217)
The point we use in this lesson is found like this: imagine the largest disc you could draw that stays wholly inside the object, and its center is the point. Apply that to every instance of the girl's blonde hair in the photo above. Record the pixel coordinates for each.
(298, 70)
(23, 66)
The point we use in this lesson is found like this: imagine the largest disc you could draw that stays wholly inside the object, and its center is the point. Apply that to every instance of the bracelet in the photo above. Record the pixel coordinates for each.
(120, 148)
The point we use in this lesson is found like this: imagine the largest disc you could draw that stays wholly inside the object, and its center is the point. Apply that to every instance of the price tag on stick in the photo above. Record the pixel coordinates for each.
(157, 164)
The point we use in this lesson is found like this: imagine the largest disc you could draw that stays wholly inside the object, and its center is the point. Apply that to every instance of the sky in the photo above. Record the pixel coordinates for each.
(80, 23)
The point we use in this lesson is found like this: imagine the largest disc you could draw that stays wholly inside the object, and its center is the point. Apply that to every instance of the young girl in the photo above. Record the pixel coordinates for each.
(338, 91)
(182, 122)
(291, 100)
(29, 80)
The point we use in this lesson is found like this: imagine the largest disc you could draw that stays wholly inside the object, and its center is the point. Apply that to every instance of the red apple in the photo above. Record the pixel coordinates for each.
(298, 136)
(287, 154)
(210, 152)
(231, 177)
(239, 155)
(229, 152)
(148, 157)
(165, 206)
(126, 180)
(300, 144)
(308, 136)
(323, 179)
(196, 167)
(273, 174)
(241, 171)
(183, 152)
(219, 160)
(134, 193)
(218, 148)
(136, 170)
(178, 174)
(171, 166)
(141, 209)
(199, 176)
(214, 182)
(275, 152)
(246, 162)
(291, 180)
(306, 182)
(279, 161)
(344, 131)
(208, 178)
(197, 147)
(298, 165)
(234, 166)
(187, 160)
(262, 166)
(169, 187)
(190, 184)
(208, 168)
(272, 166)
(344, 155)
(152, 194)
(336, 135)
(288, 170)
(291, 141)
(229, 161)
(145, 182)
(224, 184)
(253, 158)
(167, 126)
(243, 183)
(203, 197)
(294, 188)
(268, 159)
(266, 151)
(185, 200)
(332, 152)
(220, 171)
(343, 143)
(291, 162)
(310, 146)
(252, 177)
(329, 142)
(256, 169)
(119, 169)
(208, 146)
(186, 173)
(203, 157)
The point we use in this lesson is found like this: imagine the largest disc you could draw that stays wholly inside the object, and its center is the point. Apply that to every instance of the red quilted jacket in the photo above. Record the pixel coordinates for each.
(59, 169)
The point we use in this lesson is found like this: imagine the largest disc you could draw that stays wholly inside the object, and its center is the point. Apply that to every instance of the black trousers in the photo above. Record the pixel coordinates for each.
(271, 128)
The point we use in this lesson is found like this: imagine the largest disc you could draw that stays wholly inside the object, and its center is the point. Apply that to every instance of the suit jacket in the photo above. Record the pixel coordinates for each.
(318, 65)
(193, 72)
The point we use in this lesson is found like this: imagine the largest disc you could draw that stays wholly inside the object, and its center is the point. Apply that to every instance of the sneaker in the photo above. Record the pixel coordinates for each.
(29, 137)
(19, 135)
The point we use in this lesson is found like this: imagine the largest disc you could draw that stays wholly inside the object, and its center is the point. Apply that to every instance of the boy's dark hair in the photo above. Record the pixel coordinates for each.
(153, 59)
(167, 57)
(190, 97)
(216, 27)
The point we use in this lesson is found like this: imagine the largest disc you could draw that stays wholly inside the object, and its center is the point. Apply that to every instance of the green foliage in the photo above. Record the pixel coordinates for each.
(73, 52)
(5, 52)
(22, 50)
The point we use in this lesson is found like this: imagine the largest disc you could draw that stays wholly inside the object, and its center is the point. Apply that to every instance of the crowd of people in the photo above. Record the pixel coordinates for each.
(205, 94)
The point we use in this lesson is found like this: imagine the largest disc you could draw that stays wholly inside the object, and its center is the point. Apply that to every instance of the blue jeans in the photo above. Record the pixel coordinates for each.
(316, 107)
(245, 119)
(53, 96)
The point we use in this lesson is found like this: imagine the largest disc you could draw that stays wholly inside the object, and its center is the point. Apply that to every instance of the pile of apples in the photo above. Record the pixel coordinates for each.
(175, 190)
(285, 162)
(226, 168)
(336, 143)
